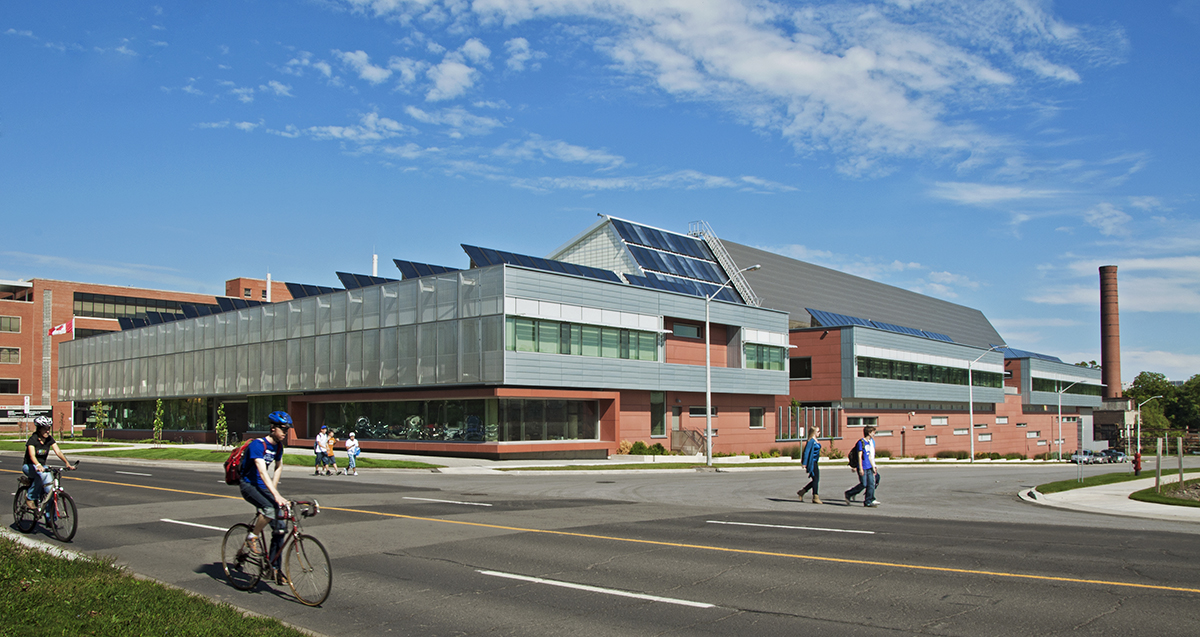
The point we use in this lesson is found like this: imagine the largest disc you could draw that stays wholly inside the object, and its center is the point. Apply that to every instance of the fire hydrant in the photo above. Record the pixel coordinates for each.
(1137, 463)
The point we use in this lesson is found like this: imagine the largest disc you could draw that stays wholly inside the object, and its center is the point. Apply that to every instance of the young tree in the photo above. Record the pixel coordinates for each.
(158, 420)
(100, 412)
(222, 427)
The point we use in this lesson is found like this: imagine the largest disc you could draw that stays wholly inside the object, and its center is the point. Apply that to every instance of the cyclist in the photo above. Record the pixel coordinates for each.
(37, 452)
(261, 488)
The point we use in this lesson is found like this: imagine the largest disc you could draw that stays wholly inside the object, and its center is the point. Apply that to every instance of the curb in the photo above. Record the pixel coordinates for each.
(69, 554)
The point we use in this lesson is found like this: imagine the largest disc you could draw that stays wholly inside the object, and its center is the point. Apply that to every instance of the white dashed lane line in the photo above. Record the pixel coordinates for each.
(199, 526)
(797, 528)
(596, 589)
(473, 504)
(130, 473)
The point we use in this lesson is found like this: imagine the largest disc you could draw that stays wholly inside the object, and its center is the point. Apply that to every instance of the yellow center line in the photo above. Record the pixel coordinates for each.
(700, 547)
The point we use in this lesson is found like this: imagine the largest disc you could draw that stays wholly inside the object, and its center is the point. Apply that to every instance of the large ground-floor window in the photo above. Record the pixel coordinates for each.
(182, 414)
(478, 420)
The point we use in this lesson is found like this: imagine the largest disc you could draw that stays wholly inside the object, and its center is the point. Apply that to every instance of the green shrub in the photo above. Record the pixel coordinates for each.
(883, 453)
(836, 454)
(1014, 456)
(638, 449)
(921, 457)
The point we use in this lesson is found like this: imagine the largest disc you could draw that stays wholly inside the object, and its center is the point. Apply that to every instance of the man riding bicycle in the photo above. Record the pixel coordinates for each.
(261, 488)
(37, 452)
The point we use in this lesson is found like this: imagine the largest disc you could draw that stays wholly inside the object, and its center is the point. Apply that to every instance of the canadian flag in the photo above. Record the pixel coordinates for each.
(65, 328)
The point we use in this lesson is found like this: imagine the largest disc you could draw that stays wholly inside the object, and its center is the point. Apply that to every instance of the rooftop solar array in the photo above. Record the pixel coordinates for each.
(300, 290)
(667, 241)
(683, 286)
(414, 270)
(355, 281)
(1010, 352)
(483, 257)
(833, 319)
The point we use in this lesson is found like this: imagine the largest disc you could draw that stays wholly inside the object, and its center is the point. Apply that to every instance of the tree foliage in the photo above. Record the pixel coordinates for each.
(1177, 409)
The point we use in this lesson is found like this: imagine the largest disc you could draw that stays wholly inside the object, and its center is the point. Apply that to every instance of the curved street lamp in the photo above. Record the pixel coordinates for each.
(1139, 410)
(1078, 442)
(971, 398)
(708, 367)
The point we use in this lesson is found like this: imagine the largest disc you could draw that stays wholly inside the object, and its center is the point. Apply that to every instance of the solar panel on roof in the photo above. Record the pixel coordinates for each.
(898, 328)
(641, 235)
(415, 270)
(1012, 352)
(937, 337)
(226, 303)
(483, 257)
(354, 281)
(831, 319)
(125, 322)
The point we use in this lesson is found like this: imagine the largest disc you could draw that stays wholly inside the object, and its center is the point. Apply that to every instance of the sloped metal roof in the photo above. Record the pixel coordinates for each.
(790, 285)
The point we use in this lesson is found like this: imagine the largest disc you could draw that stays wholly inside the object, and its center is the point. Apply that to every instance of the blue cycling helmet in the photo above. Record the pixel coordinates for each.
(280, 419)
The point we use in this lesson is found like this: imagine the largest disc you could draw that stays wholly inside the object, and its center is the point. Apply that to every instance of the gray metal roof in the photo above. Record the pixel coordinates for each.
(790, 285)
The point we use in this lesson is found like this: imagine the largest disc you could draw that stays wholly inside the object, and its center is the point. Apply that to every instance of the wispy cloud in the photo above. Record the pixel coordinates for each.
(535, 148)
(458, 121)
(520, 55)
(278, 88)
(370, 129)
(360, 63)
(116, 272)
(986, 194)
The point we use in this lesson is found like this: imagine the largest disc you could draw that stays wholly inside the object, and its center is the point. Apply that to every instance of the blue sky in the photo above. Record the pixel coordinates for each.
(992, 154)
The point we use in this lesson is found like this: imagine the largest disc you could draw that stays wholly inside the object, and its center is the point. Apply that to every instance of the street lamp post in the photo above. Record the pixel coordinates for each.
(971, 398)
(1139, 424)
(1060, 438)
(708, 367)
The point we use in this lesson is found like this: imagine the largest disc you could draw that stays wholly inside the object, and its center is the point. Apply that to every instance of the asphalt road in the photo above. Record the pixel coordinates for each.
(952, 551)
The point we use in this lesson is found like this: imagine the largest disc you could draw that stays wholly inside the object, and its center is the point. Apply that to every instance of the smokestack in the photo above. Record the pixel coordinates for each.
(1110, 332)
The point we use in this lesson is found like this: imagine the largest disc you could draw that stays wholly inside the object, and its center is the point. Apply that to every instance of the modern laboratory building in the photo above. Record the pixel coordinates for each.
(601, 342)
(512, 357)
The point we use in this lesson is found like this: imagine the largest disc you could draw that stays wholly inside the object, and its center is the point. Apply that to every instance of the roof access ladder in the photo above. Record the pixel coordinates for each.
(701, 230)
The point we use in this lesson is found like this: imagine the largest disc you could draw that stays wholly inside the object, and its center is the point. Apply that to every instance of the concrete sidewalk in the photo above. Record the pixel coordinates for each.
(1113, 499)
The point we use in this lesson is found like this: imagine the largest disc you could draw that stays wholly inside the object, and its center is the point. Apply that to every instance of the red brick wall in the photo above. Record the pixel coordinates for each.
(690, 351)
(825, 349)
(237, 288)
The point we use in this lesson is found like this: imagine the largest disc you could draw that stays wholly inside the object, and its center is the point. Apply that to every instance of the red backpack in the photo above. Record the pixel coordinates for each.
(233, 464)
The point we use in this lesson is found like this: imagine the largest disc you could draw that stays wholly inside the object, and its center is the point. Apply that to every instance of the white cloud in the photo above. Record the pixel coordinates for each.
(371, 128)
(475, 51)
(247, 126)
(986, 194)
(360, 62)
(221, 124)
(519, 54)
(458, 121)
(277, 88)
(1107, 218)
(537, 148)
(1173, 365)
(409, 69)
(22, 33)
(450, 80)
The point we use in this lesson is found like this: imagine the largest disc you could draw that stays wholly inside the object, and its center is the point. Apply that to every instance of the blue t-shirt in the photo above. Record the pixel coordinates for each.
(266, 449)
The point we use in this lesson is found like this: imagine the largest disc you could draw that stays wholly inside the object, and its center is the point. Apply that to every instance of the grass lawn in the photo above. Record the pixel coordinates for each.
(1103, 478)
(19, 445)
(1149, 495)
(41, 594)
(603, 467)
(298, 457)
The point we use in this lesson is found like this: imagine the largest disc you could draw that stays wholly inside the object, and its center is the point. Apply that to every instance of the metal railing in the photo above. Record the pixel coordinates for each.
(702, 230)
(687, 441)
(794, 422)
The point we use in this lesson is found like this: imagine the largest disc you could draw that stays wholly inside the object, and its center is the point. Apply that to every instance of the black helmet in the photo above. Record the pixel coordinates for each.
(43, 422)
(280, 419)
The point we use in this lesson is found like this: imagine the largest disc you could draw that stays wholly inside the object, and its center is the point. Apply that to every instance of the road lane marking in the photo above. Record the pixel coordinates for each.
(130, 473)
(702, 547)
(474, 504)
(199, 526)
(799, 528)
(596, 589)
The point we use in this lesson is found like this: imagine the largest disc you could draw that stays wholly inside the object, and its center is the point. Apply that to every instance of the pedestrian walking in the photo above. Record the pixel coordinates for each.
(330, 458)
(811, 457)
(352, 451)
(319, 448)
(862, 460)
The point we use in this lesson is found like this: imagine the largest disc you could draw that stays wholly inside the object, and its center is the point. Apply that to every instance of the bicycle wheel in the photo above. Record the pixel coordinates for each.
(308, 570)
(242, 567)
(62, 516)
(24, 517)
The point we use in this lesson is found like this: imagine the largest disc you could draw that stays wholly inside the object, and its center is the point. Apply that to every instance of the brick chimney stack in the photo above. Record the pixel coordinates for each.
(1110, 332)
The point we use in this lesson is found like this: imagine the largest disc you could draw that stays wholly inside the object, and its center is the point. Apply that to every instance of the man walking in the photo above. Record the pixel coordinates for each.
(868, 474)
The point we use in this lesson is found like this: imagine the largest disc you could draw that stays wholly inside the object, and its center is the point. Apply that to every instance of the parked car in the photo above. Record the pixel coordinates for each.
(1087, 456)
(1115, 455)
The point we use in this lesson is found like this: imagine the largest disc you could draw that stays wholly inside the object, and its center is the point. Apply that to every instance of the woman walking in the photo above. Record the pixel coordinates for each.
(811, 457)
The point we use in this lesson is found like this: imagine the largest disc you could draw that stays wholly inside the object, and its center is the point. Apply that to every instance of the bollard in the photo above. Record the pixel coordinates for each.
(1179, 448)
(1158, 467)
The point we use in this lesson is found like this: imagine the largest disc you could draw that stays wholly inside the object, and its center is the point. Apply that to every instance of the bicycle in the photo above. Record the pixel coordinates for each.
(57, 507)
(305, 560)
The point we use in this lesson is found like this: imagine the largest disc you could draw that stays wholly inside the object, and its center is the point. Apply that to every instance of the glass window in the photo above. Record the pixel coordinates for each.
(939, 420)
(647, 346)
(685, 330)
(591, 340)
(610, 346)
(526, 335)
(930, 440)
(548, 337)
(658, 414)
(800, 368)
(11, 323)
(862, 421)
(756, 417)
(697, 411)
(10, 355)
(985, 437)
(10, 386)
(960, 432)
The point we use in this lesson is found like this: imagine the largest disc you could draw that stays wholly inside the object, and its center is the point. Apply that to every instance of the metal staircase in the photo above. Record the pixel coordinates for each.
(702, 230)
